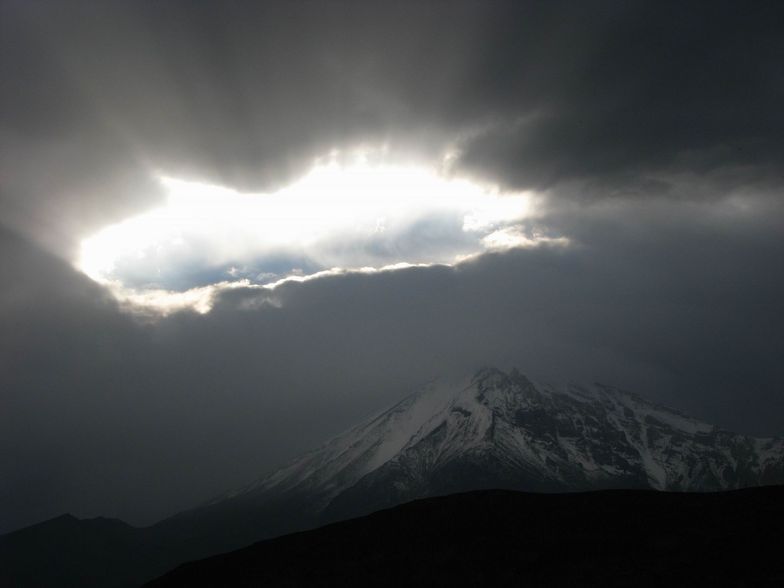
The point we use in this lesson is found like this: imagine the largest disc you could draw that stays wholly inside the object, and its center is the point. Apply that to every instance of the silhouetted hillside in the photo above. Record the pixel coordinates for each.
(607, 538)
(67, 551)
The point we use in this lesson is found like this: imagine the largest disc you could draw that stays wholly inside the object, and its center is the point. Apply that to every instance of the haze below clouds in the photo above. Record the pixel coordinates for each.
(650, 132)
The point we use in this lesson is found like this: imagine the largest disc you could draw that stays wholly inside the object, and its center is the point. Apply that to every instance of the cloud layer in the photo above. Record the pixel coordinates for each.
(608, 99)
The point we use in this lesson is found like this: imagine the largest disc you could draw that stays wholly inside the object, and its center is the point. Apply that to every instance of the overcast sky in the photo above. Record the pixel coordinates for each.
(588, 191)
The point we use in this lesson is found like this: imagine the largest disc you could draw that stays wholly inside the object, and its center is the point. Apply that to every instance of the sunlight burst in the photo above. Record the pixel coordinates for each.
(341, 217)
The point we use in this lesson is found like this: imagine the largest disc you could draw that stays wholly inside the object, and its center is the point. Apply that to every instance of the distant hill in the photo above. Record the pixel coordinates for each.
(67, 551)
(503, 538)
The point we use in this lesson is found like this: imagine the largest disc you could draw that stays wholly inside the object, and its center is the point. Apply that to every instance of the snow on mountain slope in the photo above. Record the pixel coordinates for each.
(346, 458)
(503, 430)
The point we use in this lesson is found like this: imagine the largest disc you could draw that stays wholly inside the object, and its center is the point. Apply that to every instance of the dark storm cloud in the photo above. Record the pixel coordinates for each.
(102, 95)
(619, 93)
(674, 293)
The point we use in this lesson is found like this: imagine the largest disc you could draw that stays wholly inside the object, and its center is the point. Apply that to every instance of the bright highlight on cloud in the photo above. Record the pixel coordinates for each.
(336, 218)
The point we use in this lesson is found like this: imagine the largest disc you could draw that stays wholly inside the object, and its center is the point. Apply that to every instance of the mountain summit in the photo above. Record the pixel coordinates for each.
(501, 430)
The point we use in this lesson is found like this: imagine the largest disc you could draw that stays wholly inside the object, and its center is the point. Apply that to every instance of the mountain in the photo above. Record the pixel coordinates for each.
(496, 430)
(66, 551)
(504, 538)
(504, 431)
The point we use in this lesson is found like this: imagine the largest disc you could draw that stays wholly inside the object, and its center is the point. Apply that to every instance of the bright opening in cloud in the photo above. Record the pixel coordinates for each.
(337, 217)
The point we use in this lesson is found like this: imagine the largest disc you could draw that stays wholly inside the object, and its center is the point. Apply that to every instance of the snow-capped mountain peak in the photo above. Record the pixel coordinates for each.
(501, 429)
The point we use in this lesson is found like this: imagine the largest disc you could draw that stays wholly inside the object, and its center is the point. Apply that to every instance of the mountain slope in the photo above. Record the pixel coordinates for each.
(500, 538)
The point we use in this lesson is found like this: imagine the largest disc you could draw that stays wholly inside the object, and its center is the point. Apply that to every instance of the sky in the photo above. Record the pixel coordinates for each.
(230, 230)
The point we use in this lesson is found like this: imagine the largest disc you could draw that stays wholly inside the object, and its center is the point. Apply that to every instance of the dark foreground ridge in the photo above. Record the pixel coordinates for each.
(495, 537)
